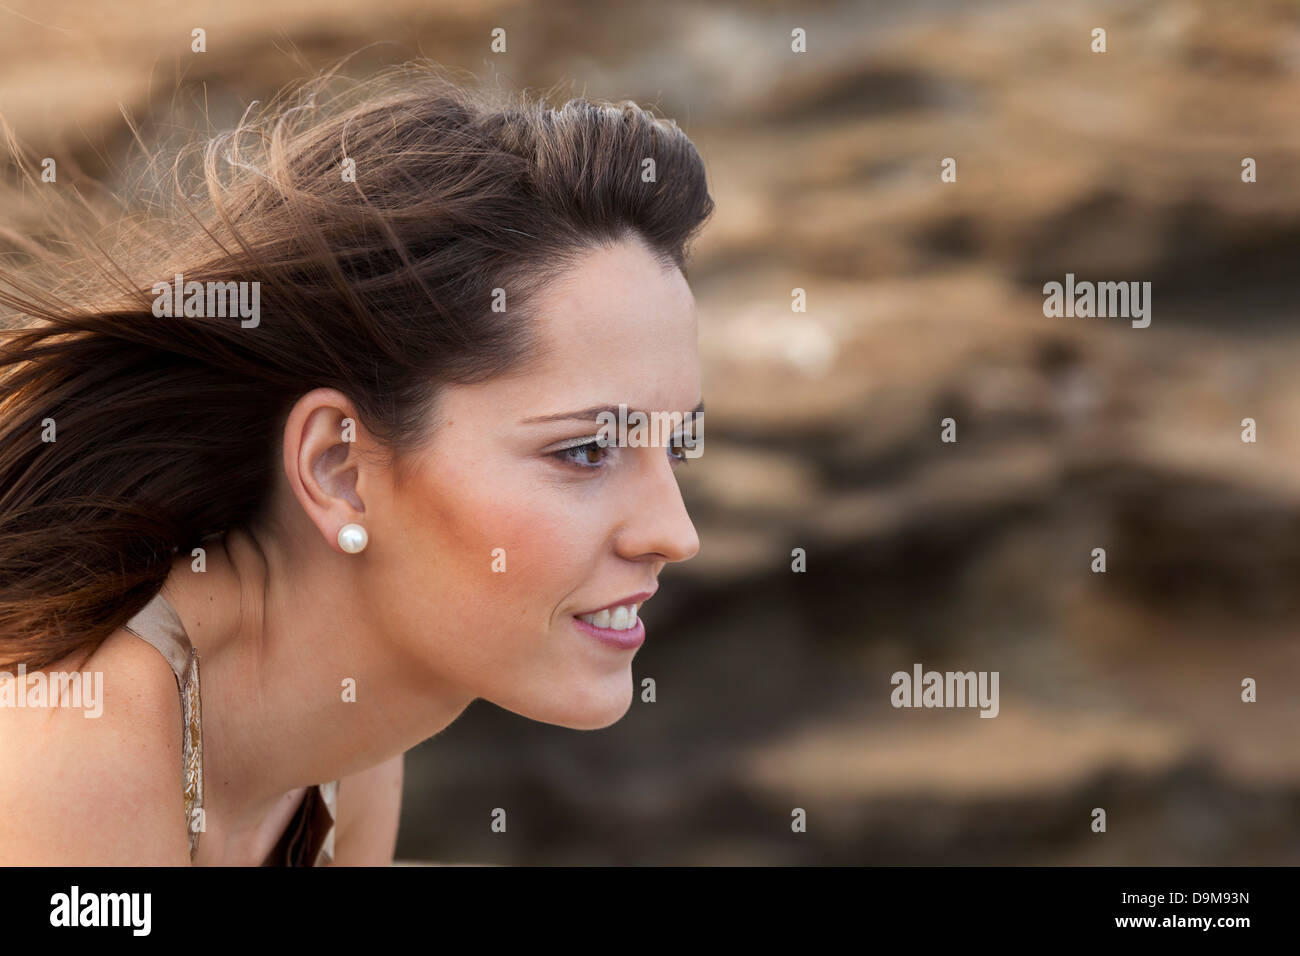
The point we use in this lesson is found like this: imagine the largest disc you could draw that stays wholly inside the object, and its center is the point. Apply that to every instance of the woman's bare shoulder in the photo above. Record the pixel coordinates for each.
(97, 778)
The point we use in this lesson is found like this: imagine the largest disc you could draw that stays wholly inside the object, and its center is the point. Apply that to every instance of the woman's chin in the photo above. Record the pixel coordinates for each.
(586, 708)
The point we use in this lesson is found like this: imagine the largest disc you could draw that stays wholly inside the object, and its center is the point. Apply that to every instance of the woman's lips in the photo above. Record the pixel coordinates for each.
(625, 640)
(617, 624)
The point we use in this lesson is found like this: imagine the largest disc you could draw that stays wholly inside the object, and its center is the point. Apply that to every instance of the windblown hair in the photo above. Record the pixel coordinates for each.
(166, 430)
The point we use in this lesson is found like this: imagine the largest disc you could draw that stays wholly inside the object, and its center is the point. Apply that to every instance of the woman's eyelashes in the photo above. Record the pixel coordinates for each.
(588, 454)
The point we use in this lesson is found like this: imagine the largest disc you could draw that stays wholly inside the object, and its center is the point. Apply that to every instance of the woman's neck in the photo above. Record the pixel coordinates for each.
(280, 641)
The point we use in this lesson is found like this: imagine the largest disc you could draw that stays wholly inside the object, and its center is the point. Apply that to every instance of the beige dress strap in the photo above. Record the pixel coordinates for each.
(160, 625)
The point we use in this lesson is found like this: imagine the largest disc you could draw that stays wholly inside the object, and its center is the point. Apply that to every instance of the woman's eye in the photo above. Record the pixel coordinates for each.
(592, 455)
(589, 455)
(677, 449)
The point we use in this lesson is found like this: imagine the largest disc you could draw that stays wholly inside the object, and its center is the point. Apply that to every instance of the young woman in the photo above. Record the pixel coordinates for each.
(325, 449)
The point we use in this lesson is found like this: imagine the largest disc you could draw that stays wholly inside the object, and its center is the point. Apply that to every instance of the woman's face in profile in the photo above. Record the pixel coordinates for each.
(568, 531)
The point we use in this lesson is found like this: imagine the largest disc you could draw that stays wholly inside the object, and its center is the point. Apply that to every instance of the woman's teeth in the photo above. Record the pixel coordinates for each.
(621, 618)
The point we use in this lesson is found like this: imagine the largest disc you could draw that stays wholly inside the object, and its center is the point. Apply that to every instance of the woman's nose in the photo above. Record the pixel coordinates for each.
(659, 526)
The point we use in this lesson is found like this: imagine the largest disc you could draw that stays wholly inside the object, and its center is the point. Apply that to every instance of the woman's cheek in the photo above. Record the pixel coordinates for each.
(504, 529)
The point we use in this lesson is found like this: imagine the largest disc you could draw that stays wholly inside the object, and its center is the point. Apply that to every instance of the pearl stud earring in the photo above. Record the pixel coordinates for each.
(353, 538)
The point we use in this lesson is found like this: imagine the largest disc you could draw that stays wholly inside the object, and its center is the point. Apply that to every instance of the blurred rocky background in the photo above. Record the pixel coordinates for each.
(1118, 690)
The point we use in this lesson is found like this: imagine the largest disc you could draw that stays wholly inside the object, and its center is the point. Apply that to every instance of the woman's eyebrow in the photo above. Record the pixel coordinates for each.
(589, 414)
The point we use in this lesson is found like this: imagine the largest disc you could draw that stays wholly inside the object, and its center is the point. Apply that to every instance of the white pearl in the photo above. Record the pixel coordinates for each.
(353, 538)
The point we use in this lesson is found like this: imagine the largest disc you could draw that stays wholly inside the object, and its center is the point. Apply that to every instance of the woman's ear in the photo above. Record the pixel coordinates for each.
(325, 461)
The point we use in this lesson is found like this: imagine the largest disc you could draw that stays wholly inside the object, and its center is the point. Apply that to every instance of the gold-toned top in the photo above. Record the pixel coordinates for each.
(309, 838)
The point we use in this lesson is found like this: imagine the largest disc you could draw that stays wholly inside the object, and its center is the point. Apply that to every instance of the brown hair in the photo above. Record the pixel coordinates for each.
(167, 428)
